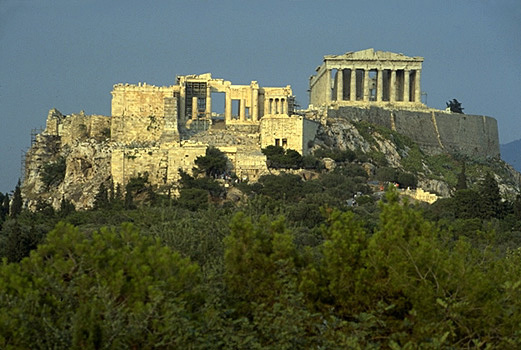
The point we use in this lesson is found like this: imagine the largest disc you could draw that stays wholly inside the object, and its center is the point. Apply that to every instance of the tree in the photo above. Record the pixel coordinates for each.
(407, 180)
(53, 173)
(462, 178)
(490, 197)
(101, 200)
(212, 164)
(4, 206)
(115, 288)
(455, 106)
(278, 157)
(17, 203)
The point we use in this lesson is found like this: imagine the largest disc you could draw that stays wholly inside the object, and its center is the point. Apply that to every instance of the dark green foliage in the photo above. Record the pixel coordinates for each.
(455, 106)
(285, 186)
(207, 184)
(4, 206)
(336, 154)
(278, 157)
(490, 198)
(66, 208)
(407, 180)
(17, 202)
(53, 173)
(467, 204)
(108, 289)
(138, 189)
(386, 174)
(212, 164)
(517, 207)
(193, 199)
(462, 178)
(101, 200)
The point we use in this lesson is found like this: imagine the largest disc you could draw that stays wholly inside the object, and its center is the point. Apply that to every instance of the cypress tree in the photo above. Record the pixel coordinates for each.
(462, 179)
(16, 205)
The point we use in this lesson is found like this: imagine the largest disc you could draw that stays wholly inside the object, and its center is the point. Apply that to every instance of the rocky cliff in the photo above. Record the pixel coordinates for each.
(72, 157)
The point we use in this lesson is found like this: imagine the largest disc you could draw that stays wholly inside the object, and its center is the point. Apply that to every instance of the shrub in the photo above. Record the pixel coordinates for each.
(53, 173)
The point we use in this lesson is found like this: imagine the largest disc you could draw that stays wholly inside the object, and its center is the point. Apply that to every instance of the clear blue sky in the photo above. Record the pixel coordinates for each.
(67, 54)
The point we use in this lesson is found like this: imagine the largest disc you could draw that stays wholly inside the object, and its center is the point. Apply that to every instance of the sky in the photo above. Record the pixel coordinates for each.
(67, 54)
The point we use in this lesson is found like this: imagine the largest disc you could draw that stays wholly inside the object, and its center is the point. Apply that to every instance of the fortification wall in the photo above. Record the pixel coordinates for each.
(136, 129)
(74, 127)
(435, 131)
(143, 100)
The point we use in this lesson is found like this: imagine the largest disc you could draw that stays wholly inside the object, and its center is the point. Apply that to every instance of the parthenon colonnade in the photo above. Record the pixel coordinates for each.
(367, 77)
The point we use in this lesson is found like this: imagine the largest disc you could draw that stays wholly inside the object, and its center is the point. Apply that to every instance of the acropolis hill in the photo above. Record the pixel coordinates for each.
(160, 130)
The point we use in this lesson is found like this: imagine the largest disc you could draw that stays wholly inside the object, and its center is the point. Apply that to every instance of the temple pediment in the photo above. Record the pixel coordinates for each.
(372, 55)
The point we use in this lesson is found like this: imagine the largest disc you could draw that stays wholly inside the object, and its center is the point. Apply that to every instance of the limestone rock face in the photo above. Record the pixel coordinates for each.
(87, 165)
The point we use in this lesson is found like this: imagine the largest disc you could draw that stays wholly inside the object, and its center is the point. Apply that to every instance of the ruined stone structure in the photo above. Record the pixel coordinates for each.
(171, 113)
(367, 77)
(160, 130)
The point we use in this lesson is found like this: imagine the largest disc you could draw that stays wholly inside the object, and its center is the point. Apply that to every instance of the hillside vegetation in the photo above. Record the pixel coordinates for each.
(313, 256)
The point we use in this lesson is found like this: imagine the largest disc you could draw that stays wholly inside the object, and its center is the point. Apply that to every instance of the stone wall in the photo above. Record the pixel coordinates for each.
(136, 129)
(435, 131)
(76, 127)
(291, 132)
(141, 99)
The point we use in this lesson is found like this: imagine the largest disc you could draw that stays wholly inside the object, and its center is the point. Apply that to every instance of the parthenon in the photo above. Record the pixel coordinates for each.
(367, 77)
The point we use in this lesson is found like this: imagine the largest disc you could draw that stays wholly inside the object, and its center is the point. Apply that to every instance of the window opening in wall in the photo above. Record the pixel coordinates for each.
(284, 143)
(236, 106)
(247, 112)
(218, 101)
(277, 142)
(201, 106)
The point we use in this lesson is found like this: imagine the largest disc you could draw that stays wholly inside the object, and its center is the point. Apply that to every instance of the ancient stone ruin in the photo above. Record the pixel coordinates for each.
(368, 76)
(161, 130)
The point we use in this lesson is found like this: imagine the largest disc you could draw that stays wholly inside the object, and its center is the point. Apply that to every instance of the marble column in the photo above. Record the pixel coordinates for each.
(392, 86)
(328, 86)
(340, 85)
(417, 88)
(352, 93)
(208, 111)
(379, 85)
(194, 108)
(228, 105)
(254, 109)
(242, 110)
(366, 85)
(182, 103)
(406, 86)
(266, 105)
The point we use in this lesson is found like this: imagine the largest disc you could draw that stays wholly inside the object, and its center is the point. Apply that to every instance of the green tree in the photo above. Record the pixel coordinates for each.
(455, 106)
(53, 173)
(113, 289)
(462, 178)
(17, 202)
(490, 203)
(213, 164)
(4, 206)
(101, 200)
(407, 180)
(259, 259)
